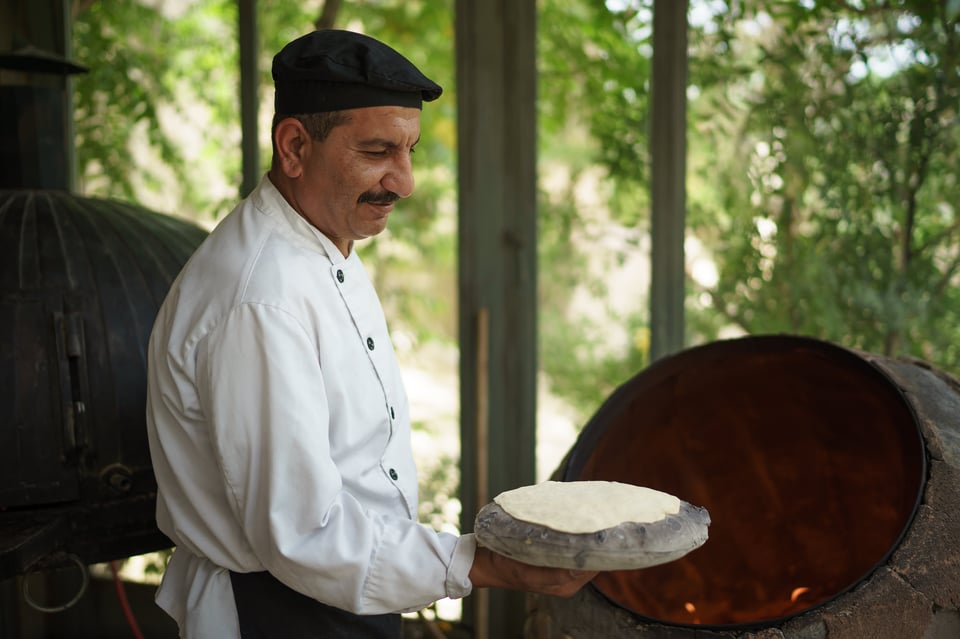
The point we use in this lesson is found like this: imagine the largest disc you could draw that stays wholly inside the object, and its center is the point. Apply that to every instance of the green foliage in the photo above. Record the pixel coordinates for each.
(127, 106)
(594, 67)
(836, 208)
(822, 179)
(593, 101)
(118, 93)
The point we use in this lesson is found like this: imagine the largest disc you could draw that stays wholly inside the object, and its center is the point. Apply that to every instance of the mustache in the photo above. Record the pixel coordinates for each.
(378, 197)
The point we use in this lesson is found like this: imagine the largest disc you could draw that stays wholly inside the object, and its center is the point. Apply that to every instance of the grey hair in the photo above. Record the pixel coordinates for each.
(318, 125)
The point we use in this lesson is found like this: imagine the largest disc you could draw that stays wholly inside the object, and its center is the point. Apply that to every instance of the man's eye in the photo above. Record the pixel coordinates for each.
(382, 153)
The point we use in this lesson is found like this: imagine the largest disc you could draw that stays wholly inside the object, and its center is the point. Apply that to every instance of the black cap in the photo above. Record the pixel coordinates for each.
(330, 70)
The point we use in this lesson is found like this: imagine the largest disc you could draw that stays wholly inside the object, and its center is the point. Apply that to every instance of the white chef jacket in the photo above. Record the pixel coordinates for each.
(279, 430)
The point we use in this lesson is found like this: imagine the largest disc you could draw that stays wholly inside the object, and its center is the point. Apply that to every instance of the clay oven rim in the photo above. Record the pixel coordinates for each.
(595, 429)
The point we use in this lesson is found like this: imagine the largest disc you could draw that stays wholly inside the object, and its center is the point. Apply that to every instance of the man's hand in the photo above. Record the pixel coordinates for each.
(491, 570)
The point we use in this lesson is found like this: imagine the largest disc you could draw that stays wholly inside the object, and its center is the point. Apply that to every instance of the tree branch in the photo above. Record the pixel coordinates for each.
(938, 238)
(328, 16)
(79, 6)
(948, 274)
(718, 304)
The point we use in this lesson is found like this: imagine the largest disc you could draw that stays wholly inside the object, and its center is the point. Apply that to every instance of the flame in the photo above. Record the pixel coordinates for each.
(797, 592)
(689, 607)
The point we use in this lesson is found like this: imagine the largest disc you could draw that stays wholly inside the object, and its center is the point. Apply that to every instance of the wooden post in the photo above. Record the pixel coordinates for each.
(668, 176)
(496, 102)
(482, 604)
(249, 96)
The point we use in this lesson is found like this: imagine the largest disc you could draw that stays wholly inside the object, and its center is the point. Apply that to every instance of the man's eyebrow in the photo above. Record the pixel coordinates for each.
(385, 143)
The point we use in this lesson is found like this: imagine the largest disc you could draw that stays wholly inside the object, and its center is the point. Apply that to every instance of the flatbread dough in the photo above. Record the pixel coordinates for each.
(586, 506)
(591, 525)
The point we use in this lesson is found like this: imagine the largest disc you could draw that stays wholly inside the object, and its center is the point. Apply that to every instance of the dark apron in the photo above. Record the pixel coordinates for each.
(270, 610)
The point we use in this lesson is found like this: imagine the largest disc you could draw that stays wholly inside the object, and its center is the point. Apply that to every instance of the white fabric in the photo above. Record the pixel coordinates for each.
(280, 439)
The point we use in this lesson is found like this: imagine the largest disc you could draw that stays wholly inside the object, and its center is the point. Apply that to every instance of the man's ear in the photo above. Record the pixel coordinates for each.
(292, 143)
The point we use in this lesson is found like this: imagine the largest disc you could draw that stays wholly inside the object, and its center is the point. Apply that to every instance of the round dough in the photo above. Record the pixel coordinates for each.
(586, 506)
(570, 525)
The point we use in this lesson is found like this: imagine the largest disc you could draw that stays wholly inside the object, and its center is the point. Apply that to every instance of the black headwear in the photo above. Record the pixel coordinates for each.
(330, 70)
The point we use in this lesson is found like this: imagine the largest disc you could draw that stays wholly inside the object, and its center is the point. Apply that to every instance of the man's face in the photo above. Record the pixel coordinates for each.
(351, 180)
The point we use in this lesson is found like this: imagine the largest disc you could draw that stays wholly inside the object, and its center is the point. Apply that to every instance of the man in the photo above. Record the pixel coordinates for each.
(278, 422)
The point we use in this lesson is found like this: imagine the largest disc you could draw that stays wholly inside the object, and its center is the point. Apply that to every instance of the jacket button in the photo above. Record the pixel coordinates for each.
(340, 276)
(393, 474)
(370, 343)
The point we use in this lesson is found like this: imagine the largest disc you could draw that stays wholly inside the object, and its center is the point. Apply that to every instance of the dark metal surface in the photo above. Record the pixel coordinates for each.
(80, 284)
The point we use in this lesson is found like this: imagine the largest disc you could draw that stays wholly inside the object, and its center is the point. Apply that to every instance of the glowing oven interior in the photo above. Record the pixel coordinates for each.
(808, 459)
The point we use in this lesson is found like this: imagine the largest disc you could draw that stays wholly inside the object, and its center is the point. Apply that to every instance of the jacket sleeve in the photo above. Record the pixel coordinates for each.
(262, 387)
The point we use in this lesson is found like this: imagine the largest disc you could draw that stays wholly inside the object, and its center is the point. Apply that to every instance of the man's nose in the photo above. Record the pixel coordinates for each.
(399, 178)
